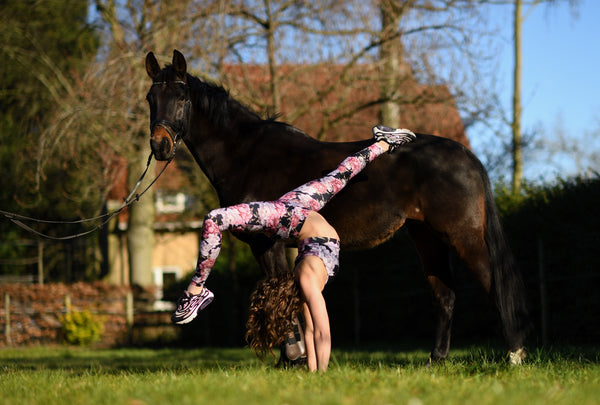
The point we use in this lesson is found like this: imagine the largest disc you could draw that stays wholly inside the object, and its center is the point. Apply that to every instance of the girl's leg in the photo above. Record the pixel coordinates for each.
(196, 297)
(210, 247)
(316, 193)
(259, 217)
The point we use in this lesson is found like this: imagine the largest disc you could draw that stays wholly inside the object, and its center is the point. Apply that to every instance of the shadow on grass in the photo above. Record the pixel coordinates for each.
(78, 360)
(115, 361)
(536, 356)
(466, 356)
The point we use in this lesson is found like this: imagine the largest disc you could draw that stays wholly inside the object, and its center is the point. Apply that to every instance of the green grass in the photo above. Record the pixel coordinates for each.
(61, 375)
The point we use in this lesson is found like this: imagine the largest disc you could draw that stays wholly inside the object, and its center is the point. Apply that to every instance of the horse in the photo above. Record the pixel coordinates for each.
(434, 186)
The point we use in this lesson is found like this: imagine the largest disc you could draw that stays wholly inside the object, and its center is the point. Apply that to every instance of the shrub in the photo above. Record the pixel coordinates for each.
(82, 328)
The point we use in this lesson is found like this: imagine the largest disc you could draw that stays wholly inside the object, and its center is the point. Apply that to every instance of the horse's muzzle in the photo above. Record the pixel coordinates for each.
(162, 143)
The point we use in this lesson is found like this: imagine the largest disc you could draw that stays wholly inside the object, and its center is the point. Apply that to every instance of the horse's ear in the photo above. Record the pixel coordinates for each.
(152, 66)
(179, 63)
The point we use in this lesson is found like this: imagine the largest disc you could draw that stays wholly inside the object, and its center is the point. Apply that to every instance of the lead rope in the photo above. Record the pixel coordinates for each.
(133, 197)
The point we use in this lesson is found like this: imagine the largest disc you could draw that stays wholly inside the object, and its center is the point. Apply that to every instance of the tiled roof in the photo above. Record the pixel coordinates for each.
(308, 103)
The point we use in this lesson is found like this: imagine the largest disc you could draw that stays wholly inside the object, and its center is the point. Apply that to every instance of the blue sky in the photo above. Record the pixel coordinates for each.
(561, 56)
(561, 83)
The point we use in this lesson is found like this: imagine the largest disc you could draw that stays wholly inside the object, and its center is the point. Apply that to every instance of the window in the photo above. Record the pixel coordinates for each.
(164, 277)
(170, 204)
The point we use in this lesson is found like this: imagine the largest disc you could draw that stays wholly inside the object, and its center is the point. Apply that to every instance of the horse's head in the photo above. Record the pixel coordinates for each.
(170, 104)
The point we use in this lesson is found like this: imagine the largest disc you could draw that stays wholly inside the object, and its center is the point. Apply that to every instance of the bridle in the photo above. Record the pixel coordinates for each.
(175, 131)
(133, 196)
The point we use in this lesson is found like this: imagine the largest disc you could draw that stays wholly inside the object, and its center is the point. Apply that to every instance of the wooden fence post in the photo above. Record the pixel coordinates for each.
(68, 303)
(40, 263)
(129, 315)
(7, 319)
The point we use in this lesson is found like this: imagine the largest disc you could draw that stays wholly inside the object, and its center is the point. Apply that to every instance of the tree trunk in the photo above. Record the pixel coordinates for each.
(393, 68)
(273, 81)
(140, 231)
(517, 142)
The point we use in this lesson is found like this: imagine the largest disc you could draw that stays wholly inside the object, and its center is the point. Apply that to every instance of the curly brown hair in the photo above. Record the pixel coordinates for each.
(273, 305)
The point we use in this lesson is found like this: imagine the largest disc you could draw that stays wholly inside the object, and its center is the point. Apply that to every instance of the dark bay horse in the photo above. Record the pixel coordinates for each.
(434, 186)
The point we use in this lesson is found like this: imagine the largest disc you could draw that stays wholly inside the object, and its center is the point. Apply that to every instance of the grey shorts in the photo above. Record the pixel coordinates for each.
(326, 249)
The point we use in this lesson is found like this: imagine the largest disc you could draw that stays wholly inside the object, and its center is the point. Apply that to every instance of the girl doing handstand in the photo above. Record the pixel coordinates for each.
(293, 217)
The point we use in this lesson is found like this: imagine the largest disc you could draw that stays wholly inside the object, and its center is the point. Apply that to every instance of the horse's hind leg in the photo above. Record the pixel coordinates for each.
(473, 250)
(475, 253)
(435, 259)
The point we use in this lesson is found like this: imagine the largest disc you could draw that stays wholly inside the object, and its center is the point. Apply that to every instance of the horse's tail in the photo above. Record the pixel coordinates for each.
(508, 288)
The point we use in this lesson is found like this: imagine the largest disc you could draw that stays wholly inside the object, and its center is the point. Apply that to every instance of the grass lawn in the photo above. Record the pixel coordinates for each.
(208, 376)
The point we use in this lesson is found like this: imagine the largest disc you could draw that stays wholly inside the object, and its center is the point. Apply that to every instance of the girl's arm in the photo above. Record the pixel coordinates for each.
(312, 276)
(309, 338)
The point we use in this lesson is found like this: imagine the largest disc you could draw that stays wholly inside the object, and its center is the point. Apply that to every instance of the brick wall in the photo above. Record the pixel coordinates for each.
(34, 311)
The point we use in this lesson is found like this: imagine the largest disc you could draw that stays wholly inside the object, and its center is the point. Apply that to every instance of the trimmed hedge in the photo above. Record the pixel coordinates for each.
(555, 233)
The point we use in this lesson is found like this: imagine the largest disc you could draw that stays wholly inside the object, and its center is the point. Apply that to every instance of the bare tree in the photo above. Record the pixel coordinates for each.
(566, 153)
(326, 52)
(393, 63)
(518, 143)
(517, 149)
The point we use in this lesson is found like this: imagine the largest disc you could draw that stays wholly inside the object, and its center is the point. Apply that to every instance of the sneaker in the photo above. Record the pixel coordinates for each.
(188, 306)
(394, 137)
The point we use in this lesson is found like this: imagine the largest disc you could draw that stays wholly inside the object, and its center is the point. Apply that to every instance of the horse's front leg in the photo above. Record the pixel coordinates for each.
(444, 298)
(273, 260)
(435, 259)
(271, 256)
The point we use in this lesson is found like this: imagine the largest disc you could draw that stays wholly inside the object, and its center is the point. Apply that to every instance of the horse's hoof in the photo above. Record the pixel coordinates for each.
(434, 360)
(517, 356)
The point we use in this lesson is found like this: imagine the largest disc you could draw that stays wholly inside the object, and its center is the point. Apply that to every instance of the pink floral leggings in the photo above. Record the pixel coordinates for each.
(280, 219)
